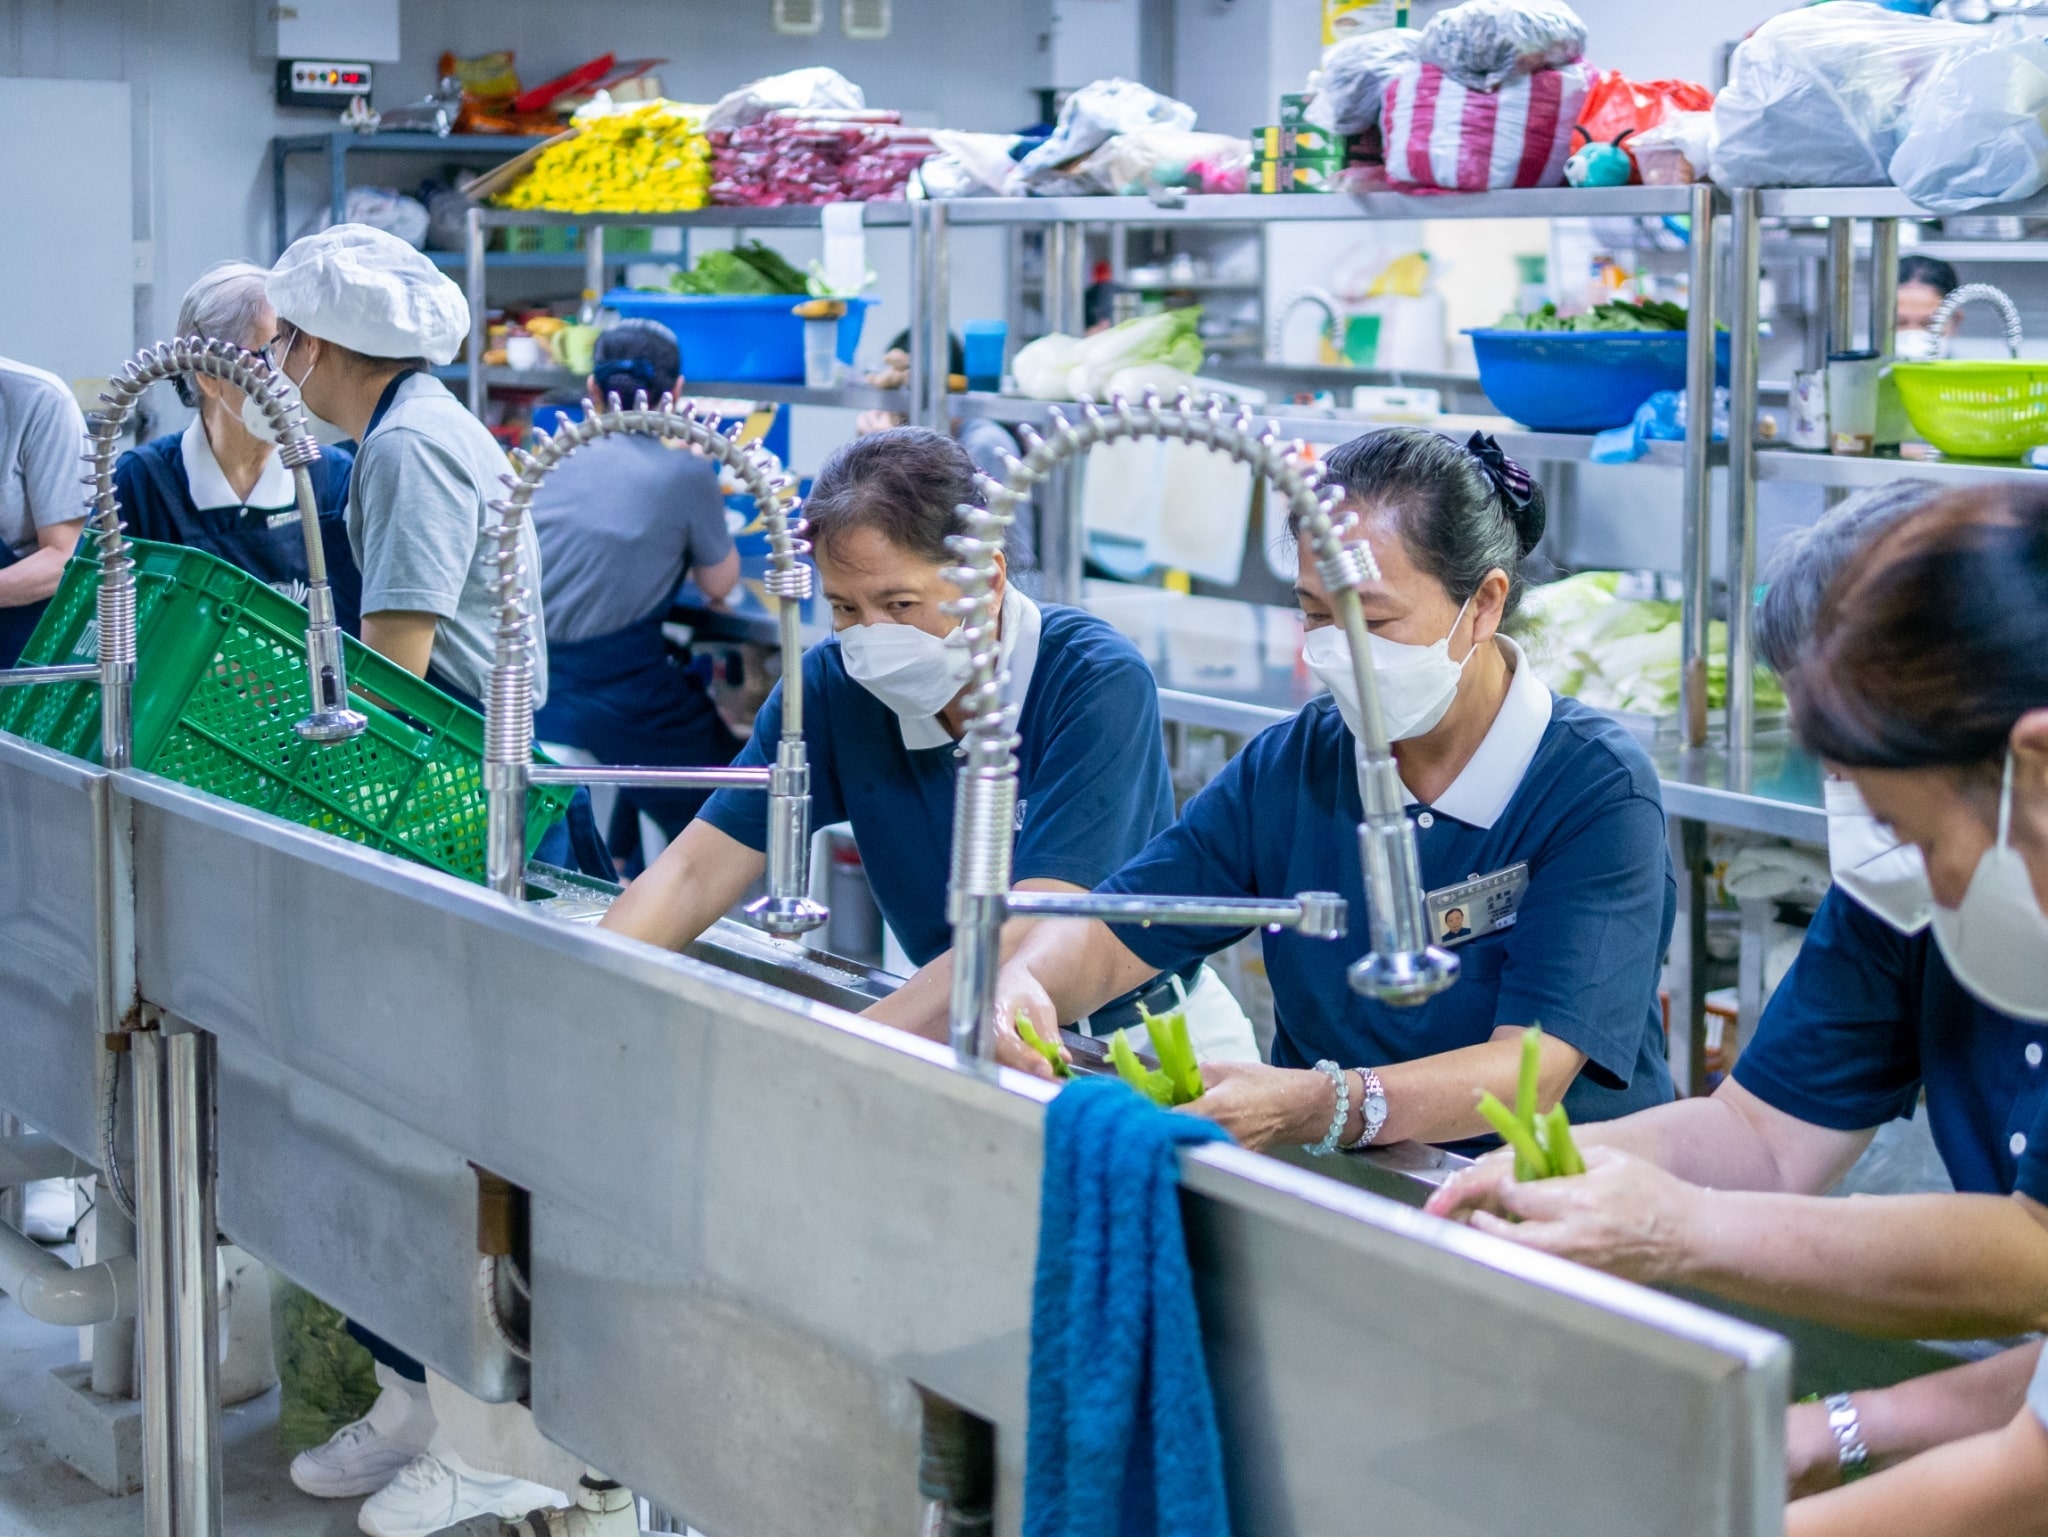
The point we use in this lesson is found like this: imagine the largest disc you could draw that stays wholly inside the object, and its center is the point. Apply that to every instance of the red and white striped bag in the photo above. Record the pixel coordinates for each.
(1444, 137)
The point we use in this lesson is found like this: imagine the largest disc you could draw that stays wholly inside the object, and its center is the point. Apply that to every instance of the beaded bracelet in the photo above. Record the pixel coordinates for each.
(1336, 1075)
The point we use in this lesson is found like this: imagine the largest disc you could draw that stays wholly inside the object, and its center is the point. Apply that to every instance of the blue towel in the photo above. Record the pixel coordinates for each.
(1123, 1440)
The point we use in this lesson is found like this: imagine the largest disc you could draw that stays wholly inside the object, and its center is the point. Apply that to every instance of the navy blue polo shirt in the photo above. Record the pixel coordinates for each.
(1581, 959)
(172, 490)
(1867, 1015)
(1092, 780)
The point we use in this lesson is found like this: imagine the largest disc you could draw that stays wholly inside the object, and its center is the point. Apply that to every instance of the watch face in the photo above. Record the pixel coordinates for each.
(1375, 1105)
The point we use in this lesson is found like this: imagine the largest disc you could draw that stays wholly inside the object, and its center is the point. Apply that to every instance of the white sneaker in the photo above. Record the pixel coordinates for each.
(366, 1454)
(437, 1489)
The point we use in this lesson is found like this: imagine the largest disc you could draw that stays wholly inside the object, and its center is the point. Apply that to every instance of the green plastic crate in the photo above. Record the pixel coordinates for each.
(220, 683)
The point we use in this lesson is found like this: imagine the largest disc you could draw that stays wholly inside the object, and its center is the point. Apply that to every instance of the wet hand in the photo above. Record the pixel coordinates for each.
(1020, 993)
(1474, 1189)
(1260, 1105)
(1623, 1215)
(1813, 1459)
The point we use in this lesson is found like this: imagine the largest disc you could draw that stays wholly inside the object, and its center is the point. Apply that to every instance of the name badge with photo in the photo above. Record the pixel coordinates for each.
(1472, 909)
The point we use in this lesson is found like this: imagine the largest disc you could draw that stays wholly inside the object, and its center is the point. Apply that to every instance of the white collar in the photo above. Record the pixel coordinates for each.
(1022, 625)
(1493, 774)
(207, 484)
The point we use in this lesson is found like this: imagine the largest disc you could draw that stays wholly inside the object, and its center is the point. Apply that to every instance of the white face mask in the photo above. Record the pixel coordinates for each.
(1997, 941)
(1915, 344)
(1416, 683)
(914, 673)
(1885, 875)
(256, 421)
(253, 417)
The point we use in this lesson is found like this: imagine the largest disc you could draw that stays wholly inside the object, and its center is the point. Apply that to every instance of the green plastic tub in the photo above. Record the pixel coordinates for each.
(220, 683)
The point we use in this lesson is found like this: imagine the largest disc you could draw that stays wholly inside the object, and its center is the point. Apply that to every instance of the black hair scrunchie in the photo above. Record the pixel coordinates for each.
(1511, 483)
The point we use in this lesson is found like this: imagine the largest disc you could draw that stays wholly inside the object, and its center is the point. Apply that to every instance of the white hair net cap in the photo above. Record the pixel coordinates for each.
(370, 292)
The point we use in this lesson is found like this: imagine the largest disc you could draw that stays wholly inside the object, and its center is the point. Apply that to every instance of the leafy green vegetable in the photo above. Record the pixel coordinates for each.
(1046, 1049)
(748, 268)
(326, 1378)
(1614, 315)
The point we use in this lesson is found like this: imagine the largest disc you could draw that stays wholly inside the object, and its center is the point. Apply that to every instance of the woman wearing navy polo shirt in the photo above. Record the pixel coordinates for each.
(1538, 822)
(881, 720)
(219, 485)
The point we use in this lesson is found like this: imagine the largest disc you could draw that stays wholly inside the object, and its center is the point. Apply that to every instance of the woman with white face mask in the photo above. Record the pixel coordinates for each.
(219, 485)
(1928, 688)
(881, 720)
(1726, 1193)
(1538, 826)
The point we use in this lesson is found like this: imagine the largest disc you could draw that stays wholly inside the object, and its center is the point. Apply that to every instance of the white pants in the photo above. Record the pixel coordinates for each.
(500, 1438)
(1218, 1026)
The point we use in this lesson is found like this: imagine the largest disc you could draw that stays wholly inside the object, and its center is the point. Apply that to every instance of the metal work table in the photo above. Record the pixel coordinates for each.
(744, 1258)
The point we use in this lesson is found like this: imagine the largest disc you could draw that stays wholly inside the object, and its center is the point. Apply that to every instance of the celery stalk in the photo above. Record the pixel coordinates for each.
(1530, 1160)
(1564, 1152)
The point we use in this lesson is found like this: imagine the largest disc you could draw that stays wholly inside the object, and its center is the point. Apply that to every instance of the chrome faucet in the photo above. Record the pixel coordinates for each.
(509, 768)
(1402, 967)
(330, 719)
(1938, 322)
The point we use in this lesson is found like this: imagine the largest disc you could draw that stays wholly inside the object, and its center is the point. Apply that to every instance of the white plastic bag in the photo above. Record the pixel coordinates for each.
(1092, 115)
(1974, 134)
(1819, 97)
(1133, 164)
(984, 158)
(815, 90)
(1676, 150)
(384, 208)
(1353, 76)
(1483, 44)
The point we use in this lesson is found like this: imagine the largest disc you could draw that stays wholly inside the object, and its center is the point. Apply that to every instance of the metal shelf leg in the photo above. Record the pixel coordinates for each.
(1745, 276)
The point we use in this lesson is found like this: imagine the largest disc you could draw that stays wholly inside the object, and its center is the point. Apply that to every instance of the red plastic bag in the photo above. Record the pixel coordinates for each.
(1616, 105)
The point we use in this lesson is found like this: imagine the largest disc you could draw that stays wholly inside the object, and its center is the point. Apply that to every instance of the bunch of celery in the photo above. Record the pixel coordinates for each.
(1178, 1079)
(1543, 1143)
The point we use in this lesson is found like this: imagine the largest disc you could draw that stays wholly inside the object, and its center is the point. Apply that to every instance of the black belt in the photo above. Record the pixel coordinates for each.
(1159, 996)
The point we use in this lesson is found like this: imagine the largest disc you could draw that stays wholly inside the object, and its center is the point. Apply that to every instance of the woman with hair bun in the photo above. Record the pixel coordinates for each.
(1538, 825)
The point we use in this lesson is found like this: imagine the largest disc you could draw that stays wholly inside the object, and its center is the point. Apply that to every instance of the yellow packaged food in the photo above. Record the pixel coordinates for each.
(650, 157)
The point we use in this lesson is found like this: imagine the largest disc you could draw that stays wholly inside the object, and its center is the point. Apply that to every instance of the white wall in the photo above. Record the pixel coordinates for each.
(65, 303)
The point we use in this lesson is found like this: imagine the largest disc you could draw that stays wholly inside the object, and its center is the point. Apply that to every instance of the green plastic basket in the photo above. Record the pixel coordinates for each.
(1997, 409)
(221, 681)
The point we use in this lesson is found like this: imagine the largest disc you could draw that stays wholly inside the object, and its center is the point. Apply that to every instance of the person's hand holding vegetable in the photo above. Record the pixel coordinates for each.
(1623, 1215)
(1260, 1105)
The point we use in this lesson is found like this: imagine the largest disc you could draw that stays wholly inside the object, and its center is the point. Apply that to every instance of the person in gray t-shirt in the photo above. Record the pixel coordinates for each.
(42, 503)
(621, 523)
(361, 315)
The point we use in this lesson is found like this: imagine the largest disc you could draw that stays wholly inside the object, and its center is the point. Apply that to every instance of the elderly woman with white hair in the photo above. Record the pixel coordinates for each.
(219, 485)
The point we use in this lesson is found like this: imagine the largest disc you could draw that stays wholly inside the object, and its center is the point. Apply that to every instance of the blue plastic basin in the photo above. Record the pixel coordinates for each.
(739, 337)
(1581, 381)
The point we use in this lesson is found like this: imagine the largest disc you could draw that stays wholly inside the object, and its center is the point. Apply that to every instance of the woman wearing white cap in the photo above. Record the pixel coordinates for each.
(362, 316)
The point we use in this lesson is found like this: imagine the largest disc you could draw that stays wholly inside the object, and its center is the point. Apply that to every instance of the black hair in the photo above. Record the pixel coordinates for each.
(636, 355)
(907, 484)
(1936, 274)
(1461, 510)
(1806, 560)
(1933, 641)
(956, 350)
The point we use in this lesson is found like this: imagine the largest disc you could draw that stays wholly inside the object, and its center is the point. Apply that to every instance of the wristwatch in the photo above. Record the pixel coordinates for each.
(1372, 1108)
(1850, 1451)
